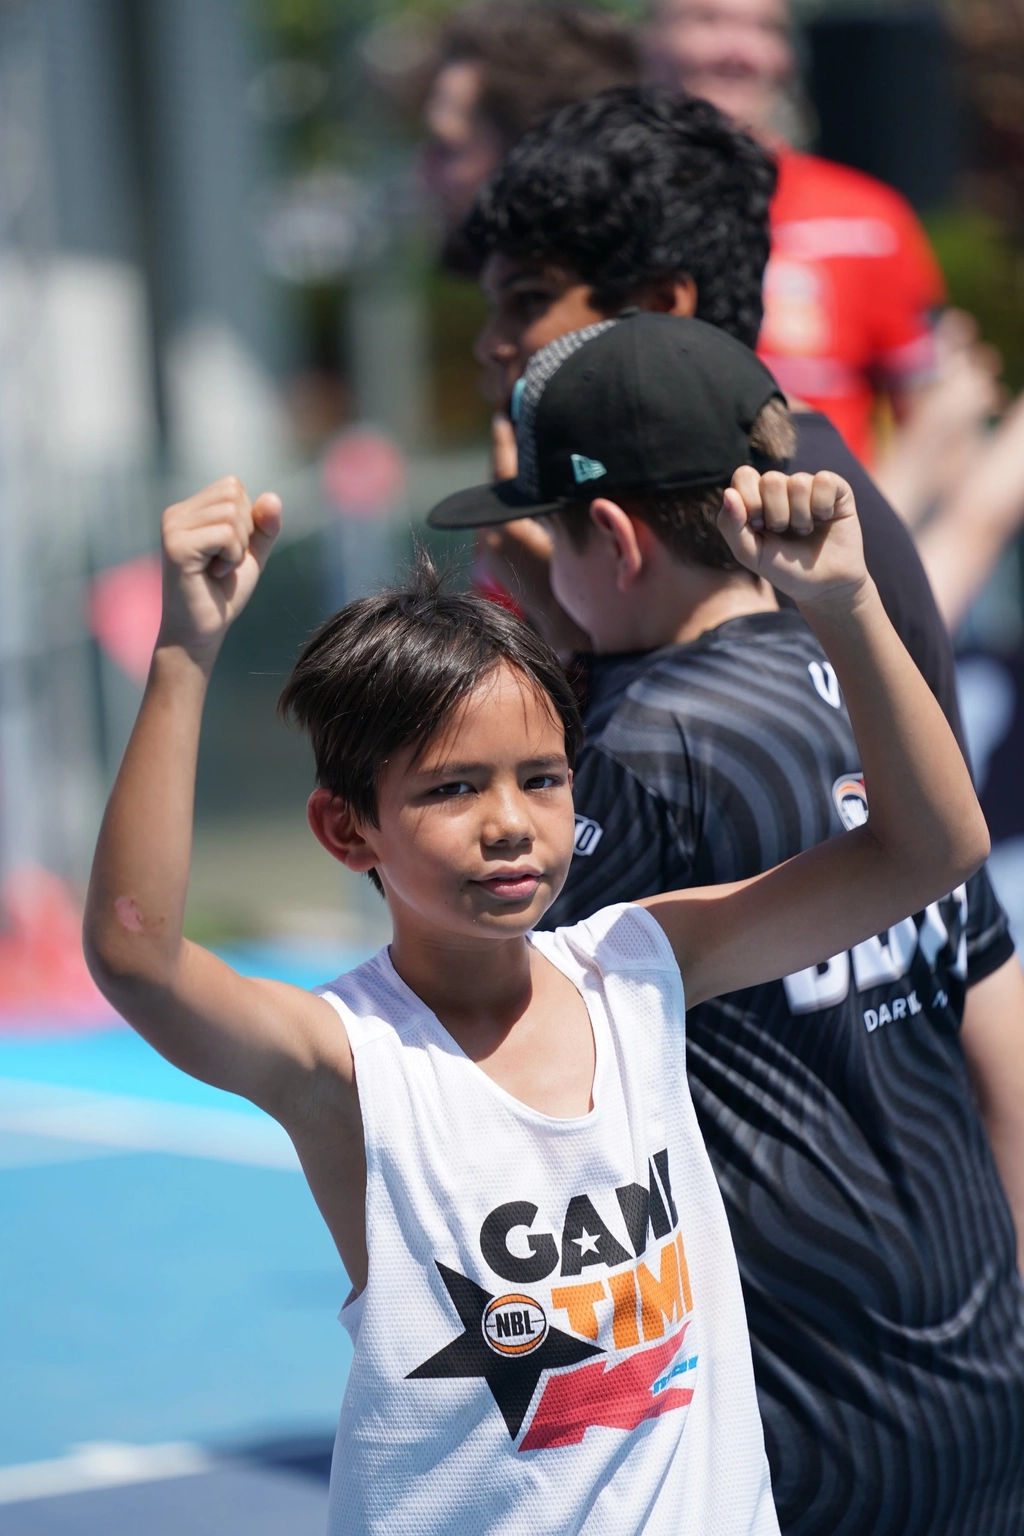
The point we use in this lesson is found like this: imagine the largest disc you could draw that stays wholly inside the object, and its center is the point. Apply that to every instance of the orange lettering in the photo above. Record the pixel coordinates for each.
(624, 1329)
(684, 1273)
(578, 1301)
(660, 1298)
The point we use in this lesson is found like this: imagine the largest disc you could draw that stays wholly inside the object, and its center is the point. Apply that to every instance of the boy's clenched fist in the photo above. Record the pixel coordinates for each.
(800, 532)
(215, 545)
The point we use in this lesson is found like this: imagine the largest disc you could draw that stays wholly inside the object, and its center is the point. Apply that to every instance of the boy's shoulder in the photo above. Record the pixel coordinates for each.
(372, 1001)
(621, 937)
(749, 663)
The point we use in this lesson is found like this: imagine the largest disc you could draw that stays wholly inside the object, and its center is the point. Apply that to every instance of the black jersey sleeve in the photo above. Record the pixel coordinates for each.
(628, 845)
(891, 557)
(989, 944)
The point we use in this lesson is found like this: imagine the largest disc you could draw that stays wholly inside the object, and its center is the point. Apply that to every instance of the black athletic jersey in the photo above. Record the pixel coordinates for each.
(890, 555)
(875, 1244)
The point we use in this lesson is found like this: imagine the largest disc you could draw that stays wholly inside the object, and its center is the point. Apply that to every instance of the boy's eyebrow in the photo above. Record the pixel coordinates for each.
(519, 274)
(452, 770)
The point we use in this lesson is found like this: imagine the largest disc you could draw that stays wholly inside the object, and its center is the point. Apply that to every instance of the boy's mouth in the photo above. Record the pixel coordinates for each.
(512, 884)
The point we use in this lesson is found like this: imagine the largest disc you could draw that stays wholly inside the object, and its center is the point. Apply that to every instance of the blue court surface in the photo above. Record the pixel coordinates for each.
(170, 1355)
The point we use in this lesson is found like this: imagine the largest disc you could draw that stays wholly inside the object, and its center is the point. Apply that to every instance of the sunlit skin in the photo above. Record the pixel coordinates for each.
(627, 592)
(737, 54)
(474, 839)
(475, 832)
(473, 843)
(462, 148)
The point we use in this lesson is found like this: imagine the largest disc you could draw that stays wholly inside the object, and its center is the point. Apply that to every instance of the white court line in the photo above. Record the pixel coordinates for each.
(143, 1125)
(104, 1464)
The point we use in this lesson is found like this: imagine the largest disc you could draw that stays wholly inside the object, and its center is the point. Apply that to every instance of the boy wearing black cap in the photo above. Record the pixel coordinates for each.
(874, 1240)
(547, 1316)
(642, 197)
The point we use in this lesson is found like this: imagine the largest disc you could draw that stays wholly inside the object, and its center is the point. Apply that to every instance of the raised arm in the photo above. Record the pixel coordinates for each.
(255, 1038)
(925, 833)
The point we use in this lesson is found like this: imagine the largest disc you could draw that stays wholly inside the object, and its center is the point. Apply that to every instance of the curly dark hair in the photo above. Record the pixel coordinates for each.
(634, 184)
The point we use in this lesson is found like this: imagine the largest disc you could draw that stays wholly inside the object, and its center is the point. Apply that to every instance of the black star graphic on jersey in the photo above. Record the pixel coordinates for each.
(512, 1379)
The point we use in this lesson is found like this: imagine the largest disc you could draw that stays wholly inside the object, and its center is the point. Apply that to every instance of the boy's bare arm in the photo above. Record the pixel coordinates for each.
(256, 1038)
(925, 832)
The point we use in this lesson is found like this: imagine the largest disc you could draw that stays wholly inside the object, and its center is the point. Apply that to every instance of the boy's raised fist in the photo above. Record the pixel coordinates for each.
(215, 545)
(800, 532)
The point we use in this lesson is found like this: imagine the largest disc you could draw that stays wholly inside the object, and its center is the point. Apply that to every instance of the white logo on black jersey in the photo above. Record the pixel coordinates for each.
(588, 835)
(826, 683)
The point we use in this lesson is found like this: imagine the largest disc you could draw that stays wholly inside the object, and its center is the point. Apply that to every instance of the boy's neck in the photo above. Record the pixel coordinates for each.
(675, 612)
(463, 982)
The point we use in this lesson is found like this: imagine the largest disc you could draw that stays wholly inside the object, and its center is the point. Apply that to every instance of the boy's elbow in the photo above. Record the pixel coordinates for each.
(120, 962)
(967, 850)
(978, 845)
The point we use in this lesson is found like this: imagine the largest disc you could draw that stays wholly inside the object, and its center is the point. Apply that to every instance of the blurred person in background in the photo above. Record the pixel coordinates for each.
(503, 66)
(853, 285)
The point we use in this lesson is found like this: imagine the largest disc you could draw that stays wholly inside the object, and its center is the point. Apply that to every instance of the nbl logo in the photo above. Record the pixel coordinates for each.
(851, 800)
(514, 1325)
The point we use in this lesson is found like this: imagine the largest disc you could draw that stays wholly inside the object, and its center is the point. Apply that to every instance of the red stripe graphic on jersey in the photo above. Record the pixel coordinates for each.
(616, 1398)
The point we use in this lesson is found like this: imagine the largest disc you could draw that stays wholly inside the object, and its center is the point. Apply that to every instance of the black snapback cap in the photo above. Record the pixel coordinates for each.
(643, 403)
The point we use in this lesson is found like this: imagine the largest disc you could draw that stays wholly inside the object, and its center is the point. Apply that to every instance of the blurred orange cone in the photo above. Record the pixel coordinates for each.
(43, 975)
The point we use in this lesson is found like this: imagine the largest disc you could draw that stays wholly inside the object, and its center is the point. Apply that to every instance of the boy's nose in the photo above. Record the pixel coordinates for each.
(491, 346)
(507, 823)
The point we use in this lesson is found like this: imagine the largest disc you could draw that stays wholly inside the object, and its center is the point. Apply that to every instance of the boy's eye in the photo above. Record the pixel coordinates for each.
(531, 298)
(456, 787)
(544, 781)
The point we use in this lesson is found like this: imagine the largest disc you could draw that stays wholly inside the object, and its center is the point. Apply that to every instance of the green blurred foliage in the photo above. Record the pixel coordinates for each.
(456, 313)
(309, 18)
(984, 269)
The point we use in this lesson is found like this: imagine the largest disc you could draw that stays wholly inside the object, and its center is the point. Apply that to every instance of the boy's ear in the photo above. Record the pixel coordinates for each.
(336, 829)
(624, 535)
(674, 293)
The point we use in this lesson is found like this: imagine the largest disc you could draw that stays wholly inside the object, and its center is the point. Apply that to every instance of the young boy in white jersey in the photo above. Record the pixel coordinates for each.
(548, 1324)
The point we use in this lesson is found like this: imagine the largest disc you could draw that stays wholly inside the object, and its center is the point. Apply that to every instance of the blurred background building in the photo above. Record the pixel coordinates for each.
(218, 253)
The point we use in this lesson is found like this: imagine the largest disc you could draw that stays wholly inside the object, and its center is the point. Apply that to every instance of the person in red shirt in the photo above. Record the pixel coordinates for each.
(852, 285)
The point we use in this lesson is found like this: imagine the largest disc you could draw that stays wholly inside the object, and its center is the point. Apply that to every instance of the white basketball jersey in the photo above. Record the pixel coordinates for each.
(552, 1337)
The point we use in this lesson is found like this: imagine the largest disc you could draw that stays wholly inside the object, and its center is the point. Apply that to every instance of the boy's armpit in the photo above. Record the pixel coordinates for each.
(266, 1041)
(629, 843)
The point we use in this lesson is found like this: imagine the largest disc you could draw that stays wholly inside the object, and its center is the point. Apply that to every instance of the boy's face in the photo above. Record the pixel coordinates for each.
(476, 834)
(530, 303)
(462, 148)
(583, 579)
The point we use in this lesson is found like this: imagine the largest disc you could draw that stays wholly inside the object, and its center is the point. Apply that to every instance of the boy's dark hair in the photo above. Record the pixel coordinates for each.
(632, 185)
(537, 56)
(386, 672)
(686, 522)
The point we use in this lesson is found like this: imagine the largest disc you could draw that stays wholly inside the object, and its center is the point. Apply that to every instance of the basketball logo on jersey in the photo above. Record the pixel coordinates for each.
(515, 1325)
(641, 1309)
(851, 800)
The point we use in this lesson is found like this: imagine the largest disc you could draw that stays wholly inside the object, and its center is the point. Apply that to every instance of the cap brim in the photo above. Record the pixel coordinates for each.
(483, 506)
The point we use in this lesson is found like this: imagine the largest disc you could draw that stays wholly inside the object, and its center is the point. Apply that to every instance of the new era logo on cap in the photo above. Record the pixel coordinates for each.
(666, 400)
(584, 469)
